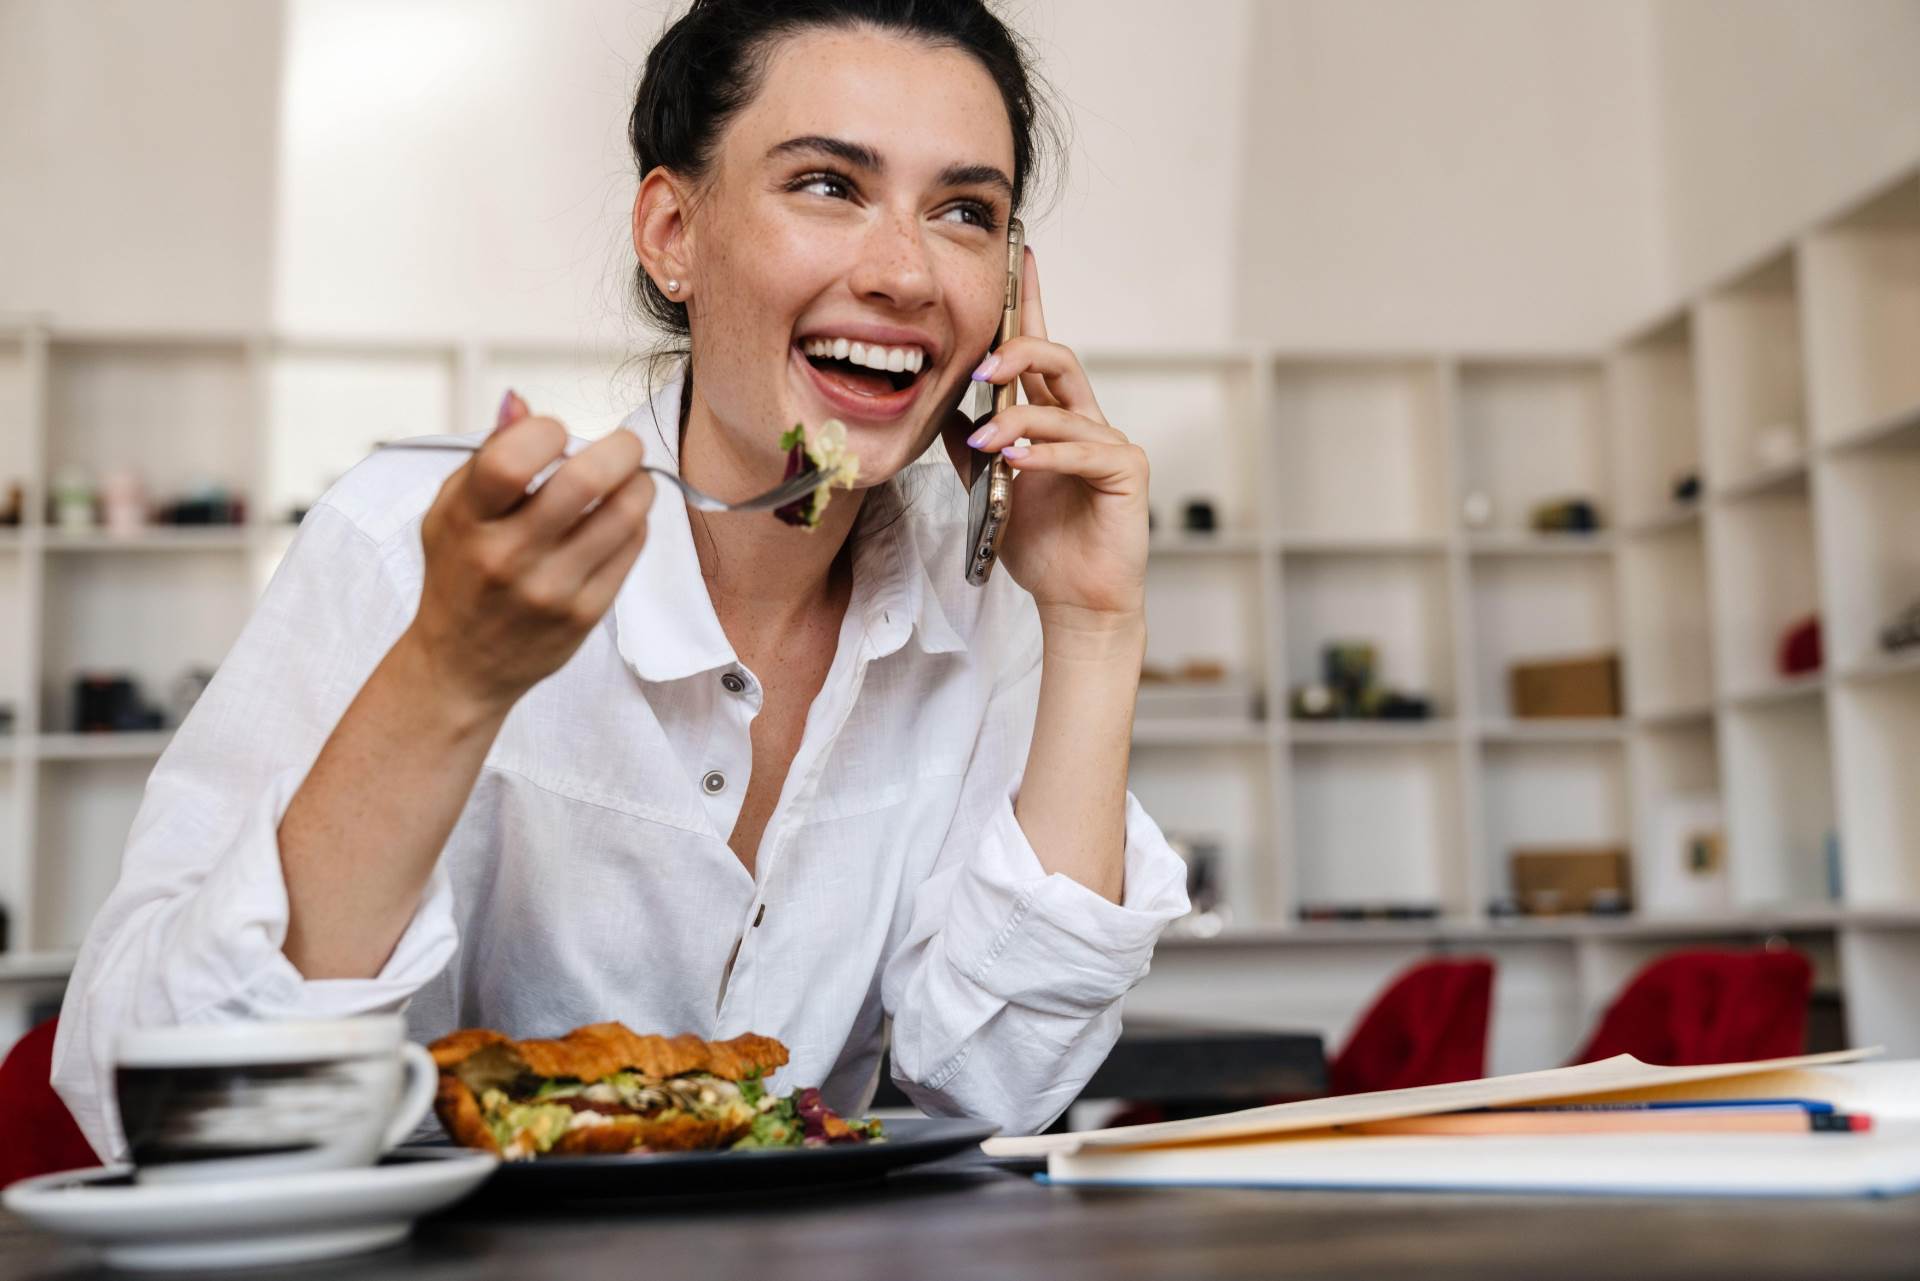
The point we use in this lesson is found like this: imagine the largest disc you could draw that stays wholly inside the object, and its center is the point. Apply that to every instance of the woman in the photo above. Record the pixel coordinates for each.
(532, 762)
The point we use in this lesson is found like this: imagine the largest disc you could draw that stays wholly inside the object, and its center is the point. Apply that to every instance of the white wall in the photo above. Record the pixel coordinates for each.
(1473, 173)
(450, 165)
(1775, 111)
(136, 160)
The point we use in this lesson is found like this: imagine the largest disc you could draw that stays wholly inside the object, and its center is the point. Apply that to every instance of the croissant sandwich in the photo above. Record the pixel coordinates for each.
(605, 1089)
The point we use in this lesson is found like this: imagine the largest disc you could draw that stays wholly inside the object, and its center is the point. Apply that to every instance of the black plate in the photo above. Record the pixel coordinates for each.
(908, 1142)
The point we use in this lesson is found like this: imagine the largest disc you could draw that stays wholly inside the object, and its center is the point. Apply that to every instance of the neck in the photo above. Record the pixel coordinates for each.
(762, 574)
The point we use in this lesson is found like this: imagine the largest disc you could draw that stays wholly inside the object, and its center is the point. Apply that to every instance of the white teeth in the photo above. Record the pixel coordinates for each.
(872, 356)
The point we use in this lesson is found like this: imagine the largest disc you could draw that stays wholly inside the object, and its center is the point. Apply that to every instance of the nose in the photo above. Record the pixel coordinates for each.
(894, 265)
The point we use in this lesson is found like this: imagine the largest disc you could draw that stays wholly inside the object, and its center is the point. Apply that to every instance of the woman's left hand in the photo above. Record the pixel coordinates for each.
(1077, 539)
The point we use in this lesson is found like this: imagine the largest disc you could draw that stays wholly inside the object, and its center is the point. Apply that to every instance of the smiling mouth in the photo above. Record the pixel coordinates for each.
(857, 370)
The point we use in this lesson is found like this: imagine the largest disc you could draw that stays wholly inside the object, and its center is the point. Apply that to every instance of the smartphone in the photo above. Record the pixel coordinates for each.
(990, 486)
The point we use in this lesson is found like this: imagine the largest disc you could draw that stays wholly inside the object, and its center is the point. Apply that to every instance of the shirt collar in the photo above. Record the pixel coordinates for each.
(663, 620)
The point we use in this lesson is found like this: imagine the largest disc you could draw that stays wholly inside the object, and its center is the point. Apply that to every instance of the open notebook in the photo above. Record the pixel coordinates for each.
(1291, 1144)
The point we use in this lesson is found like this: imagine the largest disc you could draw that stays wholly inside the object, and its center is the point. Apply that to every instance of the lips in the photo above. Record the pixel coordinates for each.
(853, 395)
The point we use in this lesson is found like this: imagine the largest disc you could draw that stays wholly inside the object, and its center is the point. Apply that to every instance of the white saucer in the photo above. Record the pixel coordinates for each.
(284, 1219)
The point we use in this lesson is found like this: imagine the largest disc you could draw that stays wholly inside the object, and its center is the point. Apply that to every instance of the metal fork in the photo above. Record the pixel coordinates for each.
(780, 495)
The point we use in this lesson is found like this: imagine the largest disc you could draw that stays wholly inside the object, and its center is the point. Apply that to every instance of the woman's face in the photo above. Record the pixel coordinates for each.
(858, 205)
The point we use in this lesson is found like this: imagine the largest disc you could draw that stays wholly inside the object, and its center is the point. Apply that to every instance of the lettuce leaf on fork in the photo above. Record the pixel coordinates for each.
(826, 451)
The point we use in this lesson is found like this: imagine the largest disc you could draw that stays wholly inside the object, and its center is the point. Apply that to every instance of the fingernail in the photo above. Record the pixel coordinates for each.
(1014, 453)
(986, 368)
(981, 437)
(511, 410)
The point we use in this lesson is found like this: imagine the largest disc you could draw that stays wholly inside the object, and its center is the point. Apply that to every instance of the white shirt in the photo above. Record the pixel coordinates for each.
(589, 875)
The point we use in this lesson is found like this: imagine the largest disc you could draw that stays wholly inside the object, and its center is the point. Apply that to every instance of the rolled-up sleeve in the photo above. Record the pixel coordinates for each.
(1005, 991)
(193, 929)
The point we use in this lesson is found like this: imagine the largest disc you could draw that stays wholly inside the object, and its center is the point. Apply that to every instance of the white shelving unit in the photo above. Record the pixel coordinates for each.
(1338, 482)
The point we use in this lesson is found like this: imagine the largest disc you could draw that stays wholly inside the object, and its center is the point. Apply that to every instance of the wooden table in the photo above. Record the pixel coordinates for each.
(966, 1219)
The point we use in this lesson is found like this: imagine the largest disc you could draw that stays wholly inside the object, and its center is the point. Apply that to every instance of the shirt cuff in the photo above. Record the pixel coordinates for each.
(1045, 941)
(229, 942)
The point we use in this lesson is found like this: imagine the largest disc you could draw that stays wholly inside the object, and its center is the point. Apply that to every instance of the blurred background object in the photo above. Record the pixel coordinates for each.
(1521, 381)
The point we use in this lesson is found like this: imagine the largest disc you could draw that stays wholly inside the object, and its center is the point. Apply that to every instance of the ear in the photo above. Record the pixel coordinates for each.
(661, 234)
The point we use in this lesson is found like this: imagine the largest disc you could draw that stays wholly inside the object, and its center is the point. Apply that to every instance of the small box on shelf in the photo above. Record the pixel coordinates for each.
(1566, 688)
(1549, 881)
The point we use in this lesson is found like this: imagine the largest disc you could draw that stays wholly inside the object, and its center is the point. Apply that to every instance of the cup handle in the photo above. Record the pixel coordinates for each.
(423, 1081)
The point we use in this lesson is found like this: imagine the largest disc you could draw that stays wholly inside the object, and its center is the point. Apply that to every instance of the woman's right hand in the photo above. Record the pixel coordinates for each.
(514, 582)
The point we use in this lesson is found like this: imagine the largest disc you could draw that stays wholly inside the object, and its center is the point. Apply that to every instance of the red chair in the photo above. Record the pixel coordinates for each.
(1708, 1007)
(37, 1133)
(1428, 1027)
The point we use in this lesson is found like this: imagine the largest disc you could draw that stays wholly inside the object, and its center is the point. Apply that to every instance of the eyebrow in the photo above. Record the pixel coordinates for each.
(861, 156)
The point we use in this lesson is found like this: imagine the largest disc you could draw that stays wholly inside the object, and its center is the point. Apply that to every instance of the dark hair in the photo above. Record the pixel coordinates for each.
(711, 61)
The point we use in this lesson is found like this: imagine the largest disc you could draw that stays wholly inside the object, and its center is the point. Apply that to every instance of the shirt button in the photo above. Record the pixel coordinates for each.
(715, 782)
(732, 683)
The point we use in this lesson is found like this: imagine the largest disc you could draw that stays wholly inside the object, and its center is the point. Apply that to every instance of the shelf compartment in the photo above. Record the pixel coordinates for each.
(1361, 448)
(177, 414)
(152, 617)
(1533, 432)
(1374, 824)
(1396, 602)
(1877, 740)
(328, 406)
(1650, 385)
(1222, 792)
(1861, 276)
(1780, 803)
(1764, 580)
(1206, 609)
(1674, 769)
(1549, 794)
(1752, 385)
(1870, 546)
(589, 391)
(1526, 609)
(86, 811)
(1195, 420)
(1669, 646)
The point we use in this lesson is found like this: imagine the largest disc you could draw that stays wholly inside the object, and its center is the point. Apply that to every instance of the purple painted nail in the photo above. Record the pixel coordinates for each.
(506, 414)
(986, 368)
(1014, 453)
(981, 437)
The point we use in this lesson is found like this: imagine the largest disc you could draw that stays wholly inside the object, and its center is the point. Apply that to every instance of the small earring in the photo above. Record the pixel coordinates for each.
(673, 287)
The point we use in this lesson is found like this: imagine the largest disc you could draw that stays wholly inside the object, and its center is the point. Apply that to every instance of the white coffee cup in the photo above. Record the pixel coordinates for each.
(244, 1099)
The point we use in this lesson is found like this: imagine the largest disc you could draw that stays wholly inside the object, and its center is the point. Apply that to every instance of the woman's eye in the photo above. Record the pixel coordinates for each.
(825, 184)
(974, 215)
